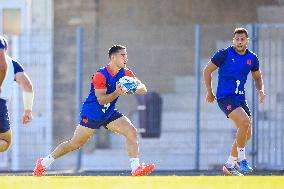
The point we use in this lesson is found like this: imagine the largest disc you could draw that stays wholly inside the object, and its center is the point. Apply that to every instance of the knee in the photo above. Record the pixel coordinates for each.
(245, 123)
(5, 145)
(76, 143)
(249, 132)
(132, 134)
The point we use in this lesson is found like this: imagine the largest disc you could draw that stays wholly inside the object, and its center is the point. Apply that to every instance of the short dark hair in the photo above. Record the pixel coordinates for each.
(241, 30)
(115, 49)
(5, 42)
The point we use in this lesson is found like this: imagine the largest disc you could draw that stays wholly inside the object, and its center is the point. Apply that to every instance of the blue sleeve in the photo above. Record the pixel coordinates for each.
(2, 43)
(219, 58)
(17, 67)
(255, 66)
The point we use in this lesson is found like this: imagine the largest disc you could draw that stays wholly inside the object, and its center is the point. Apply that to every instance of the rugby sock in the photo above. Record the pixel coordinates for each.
(47, 160)
(134, 163)
(241, 153)
(231, 161)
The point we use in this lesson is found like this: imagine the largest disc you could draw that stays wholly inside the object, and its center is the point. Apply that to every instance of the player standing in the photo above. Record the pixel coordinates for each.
(235, 63)
(99, 110)
(15, 72)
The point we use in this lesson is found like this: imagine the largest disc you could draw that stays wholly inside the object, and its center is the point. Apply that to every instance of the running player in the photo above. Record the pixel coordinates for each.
(99, 111)
(15, 72)
(235, 63)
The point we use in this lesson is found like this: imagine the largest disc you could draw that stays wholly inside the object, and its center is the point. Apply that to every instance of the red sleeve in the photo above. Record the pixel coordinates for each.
(99, 81)
(129, 73)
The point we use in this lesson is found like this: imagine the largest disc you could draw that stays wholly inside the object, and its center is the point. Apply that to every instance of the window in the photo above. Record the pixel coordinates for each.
(11, 20)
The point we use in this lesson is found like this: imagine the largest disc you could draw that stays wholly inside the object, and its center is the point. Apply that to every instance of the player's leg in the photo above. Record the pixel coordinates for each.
(5, 140)
(228, 105)
(80, 137)
(123, 126)
(244, 132)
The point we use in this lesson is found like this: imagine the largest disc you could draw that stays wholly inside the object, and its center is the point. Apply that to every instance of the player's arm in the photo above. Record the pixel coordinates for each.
(28, 95)
(207, 77)
(141, 87)
(104, 98)
(99, 82)
(257, 76)
(3, 66)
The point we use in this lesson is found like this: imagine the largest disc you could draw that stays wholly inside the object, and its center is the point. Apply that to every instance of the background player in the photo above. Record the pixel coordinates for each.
(15, 72)
(99, 110)
(235, 63)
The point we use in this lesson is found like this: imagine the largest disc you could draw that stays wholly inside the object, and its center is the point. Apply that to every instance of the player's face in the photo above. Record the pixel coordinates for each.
(121, 58)
(240, 42)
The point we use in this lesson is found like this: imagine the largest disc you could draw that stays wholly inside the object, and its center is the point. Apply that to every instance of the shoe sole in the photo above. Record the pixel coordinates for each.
(228, 173)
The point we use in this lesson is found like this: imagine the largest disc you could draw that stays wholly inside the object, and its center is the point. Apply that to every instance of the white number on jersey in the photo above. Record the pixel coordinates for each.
(106, 106)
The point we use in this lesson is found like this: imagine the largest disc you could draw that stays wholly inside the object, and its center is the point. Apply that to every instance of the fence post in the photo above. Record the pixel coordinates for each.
(198, 83)
(79, 81)
(254, 101)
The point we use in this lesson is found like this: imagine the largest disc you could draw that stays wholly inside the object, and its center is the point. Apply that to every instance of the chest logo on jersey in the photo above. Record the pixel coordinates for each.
(233, 60)
(249, 62)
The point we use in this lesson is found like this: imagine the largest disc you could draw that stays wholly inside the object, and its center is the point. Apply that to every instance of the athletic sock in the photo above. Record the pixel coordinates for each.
(231, 161)
(134, 163)
(241, 153)
(47, 160)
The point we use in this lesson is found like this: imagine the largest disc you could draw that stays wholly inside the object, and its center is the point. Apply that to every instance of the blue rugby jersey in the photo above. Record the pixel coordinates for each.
(233, 71)
(91, 107)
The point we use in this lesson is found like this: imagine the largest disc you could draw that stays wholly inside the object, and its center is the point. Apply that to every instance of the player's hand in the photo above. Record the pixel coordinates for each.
(261, 96)
(210, 97)
(27, 116)
(119, 90)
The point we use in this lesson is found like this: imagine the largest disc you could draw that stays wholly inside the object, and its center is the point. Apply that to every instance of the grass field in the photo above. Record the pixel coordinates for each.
(155, 182)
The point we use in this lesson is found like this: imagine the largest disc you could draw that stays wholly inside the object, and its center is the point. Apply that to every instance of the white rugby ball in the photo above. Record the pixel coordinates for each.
(129, 84)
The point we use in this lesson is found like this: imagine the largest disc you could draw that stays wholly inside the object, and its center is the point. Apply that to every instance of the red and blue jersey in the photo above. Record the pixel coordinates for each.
(102, 79)
(233, 71)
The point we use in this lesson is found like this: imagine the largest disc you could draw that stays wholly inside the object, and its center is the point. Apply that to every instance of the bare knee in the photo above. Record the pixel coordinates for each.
(76, 143)
(4, 145)
(245, 123)
(132, 134)
(249, 132)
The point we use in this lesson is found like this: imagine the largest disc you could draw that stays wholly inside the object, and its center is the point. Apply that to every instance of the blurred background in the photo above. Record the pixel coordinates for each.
(61, 43)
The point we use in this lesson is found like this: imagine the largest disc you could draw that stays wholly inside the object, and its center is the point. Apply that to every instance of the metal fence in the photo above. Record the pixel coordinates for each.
(194, 135)
(268, 139)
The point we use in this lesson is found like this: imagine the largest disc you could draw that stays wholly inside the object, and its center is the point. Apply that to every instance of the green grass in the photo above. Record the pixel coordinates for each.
(155, 182)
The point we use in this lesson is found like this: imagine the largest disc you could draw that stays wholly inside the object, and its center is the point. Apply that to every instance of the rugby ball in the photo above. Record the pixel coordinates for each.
(128, 84)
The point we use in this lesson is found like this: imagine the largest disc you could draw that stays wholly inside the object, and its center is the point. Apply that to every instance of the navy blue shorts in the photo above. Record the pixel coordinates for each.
(4, 116)
(97, 124)
(227, 105)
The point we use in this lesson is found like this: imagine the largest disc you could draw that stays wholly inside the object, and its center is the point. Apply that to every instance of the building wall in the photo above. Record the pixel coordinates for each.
(159, 35)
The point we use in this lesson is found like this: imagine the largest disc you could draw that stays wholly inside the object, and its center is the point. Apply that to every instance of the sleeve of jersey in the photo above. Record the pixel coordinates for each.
(2, 43)
(17, 67)
(219, 58)
(255, 66)
(99, 81)
(129, 73)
